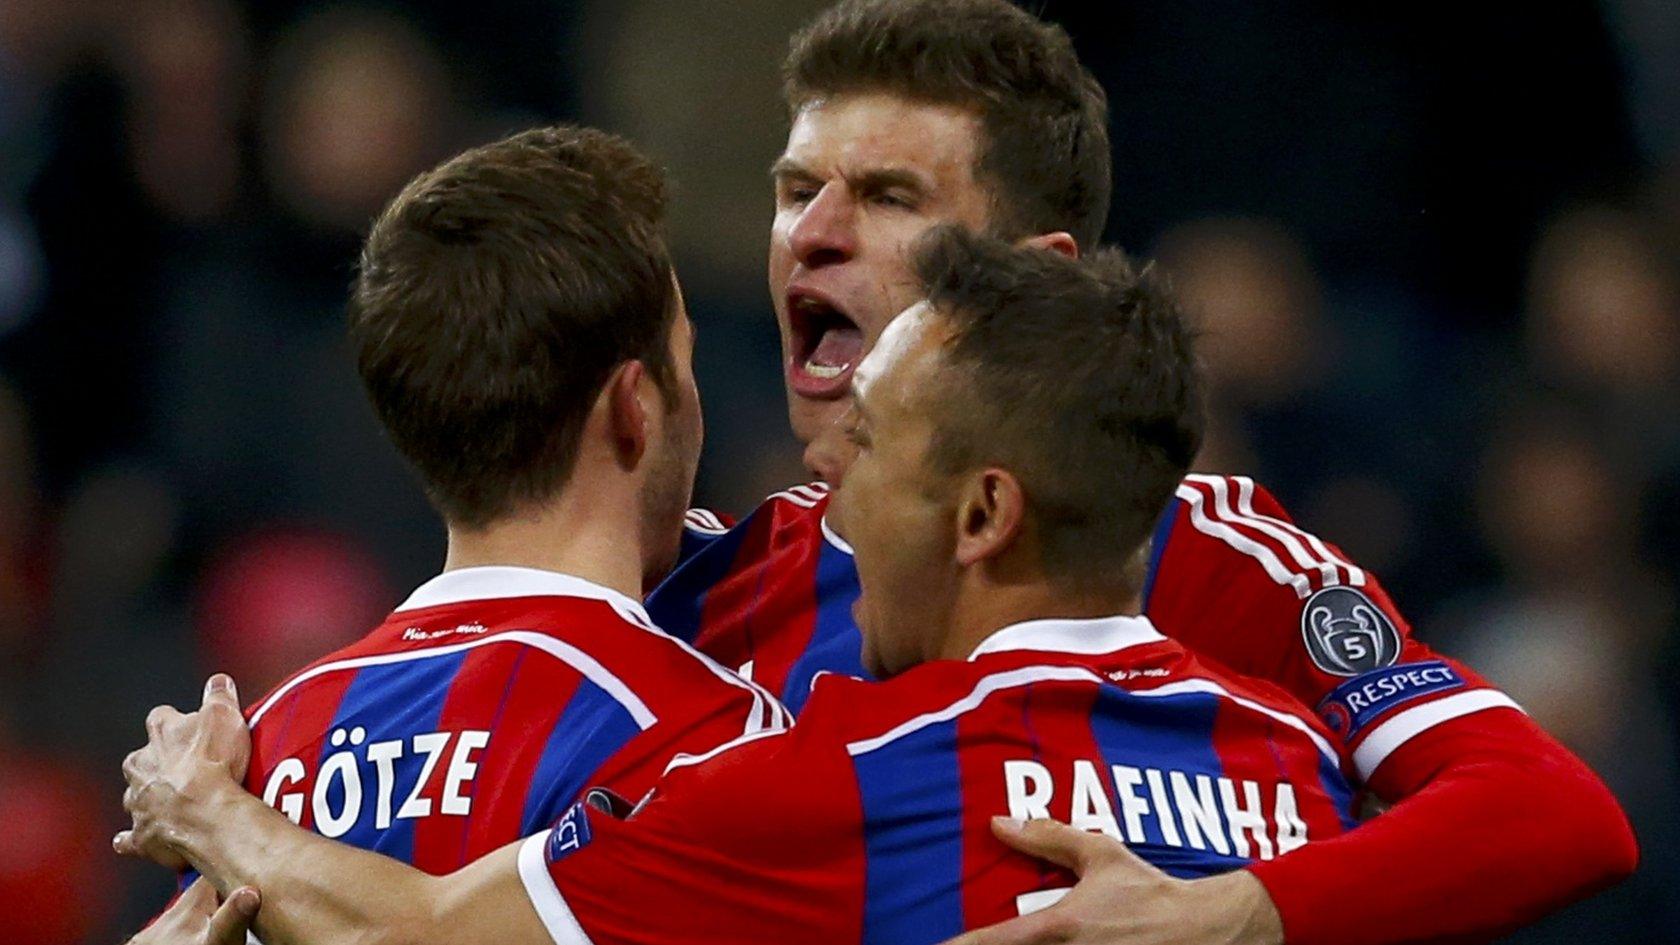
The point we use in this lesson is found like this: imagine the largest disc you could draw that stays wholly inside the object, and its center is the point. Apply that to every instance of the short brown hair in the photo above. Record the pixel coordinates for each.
(496, 293)
(1078, 376)
(1043, 115)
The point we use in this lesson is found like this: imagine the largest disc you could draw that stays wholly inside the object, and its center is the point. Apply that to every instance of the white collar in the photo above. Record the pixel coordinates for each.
(494, 582)
(1070, 635)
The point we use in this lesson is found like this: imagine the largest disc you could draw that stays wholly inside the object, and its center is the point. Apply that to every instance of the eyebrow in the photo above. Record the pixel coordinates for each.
(788, 167)
(887, 178)
(874, 179)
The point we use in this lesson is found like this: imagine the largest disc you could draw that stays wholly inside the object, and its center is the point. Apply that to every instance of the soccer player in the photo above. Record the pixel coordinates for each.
(523, 341)
(1018, 684)
(910, 113)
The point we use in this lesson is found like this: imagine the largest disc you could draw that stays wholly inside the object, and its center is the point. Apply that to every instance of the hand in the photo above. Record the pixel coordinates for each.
(187, 758)
(196, 919)
(1121, 899)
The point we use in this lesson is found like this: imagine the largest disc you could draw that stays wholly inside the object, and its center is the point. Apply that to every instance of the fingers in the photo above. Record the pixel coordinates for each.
(134, 765)
(230, 923)
(124, 845)
(158, 719)
(1065, 846)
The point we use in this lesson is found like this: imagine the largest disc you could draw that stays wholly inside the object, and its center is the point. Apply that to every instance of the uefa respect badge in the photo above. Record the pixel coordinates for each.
(569, 834)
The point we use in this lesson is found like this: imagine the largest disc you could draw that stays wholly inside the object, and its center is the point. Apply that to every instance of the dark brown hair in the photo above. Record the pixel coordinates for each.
(1078, 376)
(495, 295)
(1044, 118)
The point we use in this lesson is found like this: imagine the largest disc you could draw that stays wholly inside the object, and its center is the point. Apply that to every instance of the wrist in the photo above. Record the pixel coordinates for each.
(1243, 909)
(206, 803)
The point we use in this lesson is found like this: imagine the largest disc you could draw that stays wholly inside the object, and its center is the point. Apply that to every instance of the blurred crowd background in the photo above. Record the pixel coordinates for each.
(1433, 247)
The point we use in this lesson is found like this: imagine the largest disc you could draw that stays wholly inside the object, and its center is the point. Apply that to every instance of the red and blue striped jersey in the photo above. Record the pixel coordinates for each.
(771, 597)
(869, 820)
(1230, 575)
(481, 708)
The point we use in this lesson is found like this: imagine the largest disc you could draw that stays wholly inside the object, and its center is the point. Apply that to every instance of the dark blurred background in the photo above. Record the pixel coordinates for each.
(1433, 247)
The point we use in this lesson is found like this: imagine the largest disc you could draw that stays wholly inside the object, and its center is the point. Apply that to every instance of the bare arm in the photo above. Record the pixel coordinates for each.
(187, 805)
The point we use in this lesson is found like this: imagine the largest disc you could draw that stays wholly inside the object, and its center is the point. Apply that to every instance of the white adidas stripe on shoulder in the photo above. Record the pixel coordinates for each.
(684, 759)
(705, 522)
(1223, 507)
(1197, 503)
(1245, 505)
(805, 496)
(767, 712)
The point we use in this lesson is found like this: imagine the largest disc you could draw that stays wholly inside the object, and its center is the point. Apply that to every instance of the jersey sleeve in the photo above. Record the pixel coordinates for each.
(1234, 578)
(752, 843)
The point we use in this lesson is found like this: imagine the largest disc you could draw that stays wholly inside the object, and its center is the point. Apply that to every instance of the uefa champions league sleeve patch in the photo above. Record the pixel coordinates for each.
(1346, 633)
(572, 830)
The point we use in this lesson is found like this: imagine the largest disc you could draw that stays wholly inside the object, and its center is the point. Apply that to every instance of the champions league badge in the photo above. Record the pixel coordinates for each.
(1346, 633)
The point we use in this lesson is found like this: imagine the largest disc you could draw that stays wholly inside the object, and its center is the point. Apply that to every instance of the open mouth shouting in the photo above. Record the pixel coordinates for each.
(825, 345)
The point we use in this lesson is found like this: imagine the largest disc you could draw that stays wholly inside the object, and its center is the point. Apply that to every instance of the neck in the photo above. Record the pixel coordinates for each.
(581, 532)
(984, 612)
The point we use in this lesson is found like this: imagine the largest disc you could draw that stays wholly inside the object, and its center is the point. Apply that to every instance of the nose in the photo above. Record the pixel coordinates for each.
(825, 233)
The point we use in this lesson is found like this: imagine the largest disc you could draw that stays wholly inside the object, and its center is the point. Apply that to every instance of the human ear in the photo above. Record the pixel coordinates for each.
(1058, 242)
(629, 418)
(991, 508)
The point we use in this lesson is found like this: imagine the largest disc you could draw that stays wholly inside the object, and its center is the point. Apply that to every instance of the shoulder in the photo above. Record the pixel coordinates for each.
(714, 546)
(863, 716)
(678, 682)
(795, 512)
(1232, 522)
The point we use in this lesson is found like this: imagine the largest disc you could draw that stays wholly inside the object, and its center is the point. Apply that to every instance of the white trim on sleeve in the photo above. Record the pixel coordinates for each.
(551, 907)
(1404, 726)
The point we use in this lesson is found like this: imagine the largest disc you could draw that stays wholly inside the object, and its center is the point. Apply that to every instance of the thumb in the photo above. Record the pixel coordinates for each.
(1065, 846)
(220, 689)
(233, 920)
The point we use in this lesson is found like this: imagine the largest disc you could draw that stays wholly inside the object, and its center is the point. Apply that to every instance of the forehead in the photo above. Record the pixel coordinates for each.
(889, 374)
(851, 133)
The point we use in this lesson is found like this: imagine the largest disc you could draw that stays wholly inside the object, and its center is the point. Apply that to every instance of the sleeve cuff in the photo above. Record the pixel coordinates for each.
(563, 926)
(1402, 727)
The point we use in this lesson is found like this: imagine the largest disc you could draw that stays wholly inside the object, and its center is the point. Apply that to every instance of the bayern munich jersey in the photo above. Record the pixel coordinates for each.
(481, 709)
(1230, 576)
(869, 820)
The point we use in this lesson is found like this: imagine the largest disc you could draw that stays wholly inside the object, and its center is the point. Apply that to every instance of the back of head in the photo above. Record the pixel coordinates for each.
(496, 294)
(1078, 377)
(1044, 117)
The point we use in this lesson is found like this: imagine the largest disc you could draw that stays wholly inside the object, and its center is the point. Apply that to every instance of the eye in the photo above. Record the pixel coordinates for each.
(796, 193)
(895, 201)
